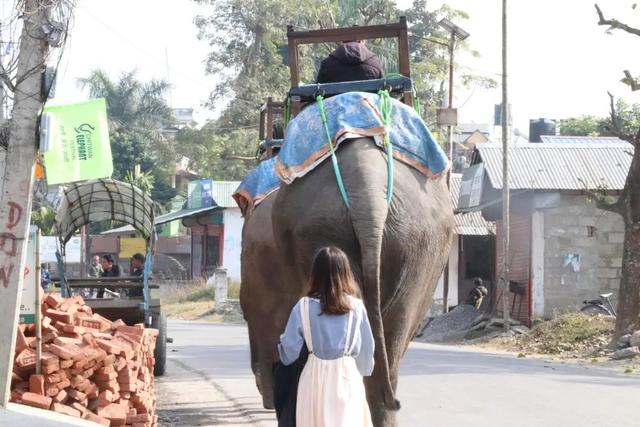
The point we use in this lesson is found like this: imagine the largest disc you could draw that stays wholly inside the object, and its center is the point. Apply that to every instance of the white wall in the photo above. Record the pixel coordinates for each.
(436, 307)
(537, 262)
(232, 242)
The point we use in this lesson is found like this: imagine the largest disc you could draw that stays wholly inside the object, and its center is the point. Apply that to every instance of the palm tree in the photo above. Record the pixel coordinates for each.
(137, 113)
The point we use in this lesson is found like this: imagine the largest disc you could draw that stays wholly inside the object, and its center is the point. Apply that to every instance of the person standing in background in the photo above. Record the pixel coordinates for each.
(45, 277)
(95, 269)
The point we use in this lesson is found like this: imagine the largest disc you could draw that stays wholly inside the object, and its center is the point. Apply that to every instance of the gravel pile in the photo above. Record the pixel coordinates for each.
(450, 327)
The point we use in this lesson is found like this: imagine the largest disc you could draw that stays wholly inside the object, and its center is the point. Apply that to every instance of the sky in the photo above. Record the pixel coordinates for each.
(561, 64)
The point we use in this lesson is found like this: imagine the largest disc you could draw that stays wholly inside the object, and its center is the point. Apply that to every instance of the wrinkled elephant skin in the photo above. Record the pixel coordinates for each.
(263, 295)
(397, 252)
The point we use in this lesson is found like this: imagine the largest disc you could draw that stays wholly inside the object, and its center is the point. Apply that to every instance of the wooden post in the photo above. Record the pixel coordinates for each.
(505, 173)
(38, 318)
(293, 57)
(16, 186)
(403, 48)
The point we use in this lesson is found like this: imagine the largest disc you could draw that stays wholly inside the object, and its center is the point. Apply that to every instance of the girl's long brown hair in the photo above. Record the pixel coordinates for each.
(332, 280)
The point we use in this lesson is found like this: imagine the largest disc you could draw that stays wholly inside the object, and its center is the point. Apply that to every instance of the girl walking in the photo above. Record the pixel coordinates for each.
(333, 323)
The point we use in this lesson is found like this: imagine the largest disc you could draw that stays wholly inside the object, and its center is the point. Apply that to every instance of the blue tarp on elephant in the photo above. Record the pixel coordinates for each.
(353, 115)
(257, 185)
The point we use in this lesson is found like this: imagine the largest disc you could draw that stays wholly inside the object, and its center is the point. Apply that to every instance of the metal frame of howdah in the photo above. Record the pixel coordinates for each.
(386, 31)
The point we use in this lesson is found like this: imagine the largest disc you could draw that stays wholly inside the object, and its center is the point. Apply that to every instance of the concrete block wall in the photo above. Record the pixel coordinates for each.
(577, 226)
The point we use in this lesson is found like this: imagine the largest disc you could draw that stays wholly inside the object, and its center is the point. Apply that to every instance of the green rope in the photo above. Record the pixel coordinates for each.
(385, 112)
(287, 112)
(416, 104)
(334, 159)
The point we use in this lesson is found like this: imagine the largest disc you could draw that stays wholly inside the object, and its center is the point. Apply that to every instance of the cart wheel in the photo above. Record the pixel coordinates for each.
(160, 354)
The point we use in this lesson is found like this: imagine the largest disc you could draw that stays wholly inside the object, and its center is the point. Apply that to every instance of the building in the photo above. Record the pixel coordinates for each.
(466, 136)
(564, 249)
(472, 254)
(213, 224)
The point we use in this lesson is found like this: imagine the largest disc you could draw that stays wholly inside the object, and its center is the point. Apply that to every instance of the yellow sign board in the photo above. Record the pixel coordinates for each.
(132, 245)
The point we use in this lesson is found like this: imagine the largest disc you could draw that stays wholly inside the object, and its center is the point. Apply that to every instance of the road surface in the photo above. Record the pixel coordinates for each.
(209, 382)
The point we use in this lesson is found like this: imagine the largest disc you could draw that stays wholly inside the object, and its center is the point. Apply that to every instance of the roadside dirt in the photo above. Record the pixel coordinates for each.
(188, 398)
(572, 338)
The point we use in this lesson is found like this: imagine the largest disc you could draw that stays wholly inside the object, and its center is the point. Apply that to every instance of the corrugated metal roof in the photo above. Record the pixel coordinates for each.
(168, 217)
(559, 139)
(549, 166)
(472, 223)
(222, 191)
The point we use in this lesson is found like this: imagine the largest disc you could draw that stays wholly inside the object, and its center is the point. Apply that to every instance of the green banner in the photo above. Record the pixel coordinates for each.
(79, 147)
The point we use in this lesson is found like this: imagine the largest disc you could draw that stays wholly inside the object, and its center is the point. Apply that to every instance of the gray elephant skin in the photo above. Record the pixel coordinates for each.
(397, 252)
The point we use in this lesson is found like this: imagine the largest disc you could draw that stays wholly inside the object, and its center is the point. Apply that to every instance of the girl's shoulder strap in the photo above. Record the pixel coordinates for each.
(306, 322)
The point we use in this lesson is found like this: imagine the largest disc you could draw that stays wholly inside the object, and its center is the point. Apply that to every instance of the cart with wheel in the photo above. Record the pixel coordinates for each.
(100, 200)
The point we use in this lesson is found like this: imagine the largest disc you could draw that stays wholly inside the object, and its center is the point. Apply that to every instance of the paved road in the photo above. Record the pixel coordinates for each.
(209, 383)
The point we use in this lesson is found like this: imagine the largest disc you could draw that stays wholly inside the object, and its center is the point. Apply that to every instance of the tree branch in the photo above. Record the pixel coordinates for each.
(631, 81)
(601, 200)
(6, 79)
(615, 24)
(616, 126)
(245, 158)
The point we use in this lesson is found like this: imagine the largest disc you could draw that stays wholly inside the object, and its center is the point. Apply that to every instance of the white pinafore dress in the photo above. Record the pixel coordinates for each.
(331, 392)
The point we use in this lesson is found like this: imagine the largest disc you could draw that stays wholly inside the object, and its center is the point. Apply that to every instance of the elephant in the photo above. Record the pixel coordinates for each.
(263, 290)
(397, 252)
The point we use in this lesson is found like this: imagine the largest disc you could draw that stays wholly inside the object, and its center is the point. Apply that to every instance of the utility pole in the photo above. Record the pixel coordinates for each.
(505, 173)
(456, 33)
(17, 182)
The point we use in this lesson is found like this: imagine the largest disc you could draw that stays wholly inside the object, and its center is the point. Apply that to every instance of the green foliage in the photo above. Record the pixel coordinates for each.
(626, 124)
(144, 181)
(137, 112)
(216, 154)
(582, 126)
(570, 332)
(44, 217)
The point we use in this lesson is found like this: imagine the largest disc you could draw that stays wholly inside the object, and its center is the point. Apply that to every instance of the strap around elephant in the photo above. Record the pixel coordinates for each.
(385, 112)
(334, 159)
(306, 323)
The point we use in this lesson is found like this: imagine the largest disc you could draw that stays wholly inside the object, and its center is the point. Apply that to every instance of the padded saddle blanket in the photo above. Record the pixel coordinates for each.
(257, 185)
(353, 115)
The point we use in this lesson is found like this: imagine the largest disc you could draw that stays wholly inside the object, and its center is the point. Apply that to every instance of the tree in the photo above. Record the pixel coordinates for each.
(628, 205)
(137, 113)
(45, 218)
(628, 120)
(249, 56)
(220, 156)
(582, 126)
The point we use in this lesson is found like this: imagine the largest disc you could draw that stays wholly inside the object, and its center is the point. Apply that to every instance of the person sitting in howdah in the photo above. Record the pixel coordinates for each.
(351, 61)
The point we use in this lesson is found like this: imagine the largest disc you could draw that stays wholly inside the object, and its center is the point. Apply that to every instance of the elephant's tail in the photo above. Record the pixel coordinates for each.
(368, 213)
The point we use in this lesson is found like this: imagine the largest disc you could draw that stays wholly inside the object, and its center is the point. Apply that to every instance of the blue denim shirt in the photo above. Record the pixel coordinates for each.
(328, 332)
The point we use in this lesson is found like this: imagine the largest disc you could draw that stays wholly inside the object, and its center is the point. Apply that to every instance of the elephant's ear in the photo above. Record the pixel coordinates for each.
(243, 200)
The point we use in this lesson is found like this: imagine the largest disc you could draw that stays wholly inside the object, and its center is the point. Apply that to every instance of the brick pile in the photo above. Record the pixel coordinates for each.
(92, 368)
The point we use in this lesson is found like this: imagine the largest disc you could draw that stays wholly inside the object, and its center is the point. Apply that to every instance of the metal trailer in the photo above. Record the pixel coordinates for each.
(86, 202)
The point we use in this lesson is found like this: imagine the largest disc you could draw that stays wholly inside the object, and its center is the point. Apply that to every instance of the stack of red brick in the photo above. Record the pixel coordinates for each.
(92, 368)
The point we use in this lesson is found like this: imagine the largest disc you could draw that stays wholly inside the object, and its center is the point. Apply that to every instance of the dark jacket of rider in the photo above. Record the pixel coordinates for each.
(351, 61)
